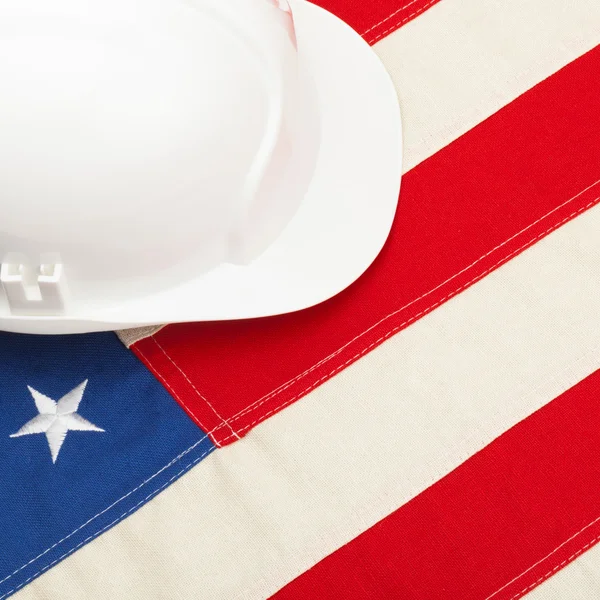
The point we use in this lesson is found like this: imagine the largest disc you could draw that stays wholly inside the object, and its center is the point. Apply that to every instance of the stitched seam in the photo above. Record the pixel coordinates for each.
(120, 518)
(463, 448)
(173, 392)
(468, 438)
(238, 415)
(210, 406)
(432, 480)
(284, 386)
(497, 414)
(404, 20)
(389, 17)
(407, 322)
(289, 383)
(277, 391)
(556, 568)
(146, 481)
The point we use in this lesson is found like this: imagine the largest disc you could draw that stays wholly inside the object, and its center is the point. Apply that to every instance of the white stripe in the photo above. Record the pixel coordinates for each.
(462, 61)
(258, 513)
(578, 581)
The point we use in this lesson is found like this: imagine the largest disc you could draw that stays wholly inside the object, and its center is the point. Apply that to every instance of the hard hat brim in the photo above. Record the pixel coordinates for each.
(338, 230)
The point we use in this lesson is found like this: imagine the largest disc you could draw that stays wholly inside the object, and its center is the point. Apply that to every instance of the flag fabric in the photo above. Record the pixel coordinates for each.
(87, 434)
(430, 433)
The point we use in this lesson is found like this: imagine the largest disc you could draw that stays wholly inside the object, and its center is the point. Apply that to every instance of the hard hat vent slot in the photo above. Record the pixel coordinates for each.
(32, 289)
(12, 270)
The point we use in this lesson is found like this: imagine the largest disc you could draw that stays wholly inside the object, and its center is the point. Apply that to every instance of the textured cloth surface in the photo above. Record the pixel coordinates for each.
(429, 433)
(48, 509)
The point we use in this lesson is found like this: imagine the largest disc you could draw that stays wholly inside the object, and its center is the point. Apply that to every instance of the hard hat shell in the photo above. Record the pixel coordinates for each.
(149, 147)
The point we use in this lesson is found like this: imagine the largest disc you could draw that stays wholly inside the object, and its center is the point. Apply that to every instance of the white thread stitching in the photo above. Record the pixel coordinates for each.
(195, 389)
(91, 537)
(408, 321)
(580, 551)
(398, 327)
(284, 386)
(315, 384)
(292, 400)
(172, 391)
(168, 465)
(403, 20)
(465, 442)
(432, 480)
(64, 412)
(557, 568)
(389, 17)
(289, 383)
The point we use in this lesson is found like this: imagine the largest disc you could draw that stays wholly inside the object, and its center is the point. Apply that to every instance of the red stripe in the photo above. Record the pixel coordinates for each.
(493, 529)
(480, 201)
(375, 20)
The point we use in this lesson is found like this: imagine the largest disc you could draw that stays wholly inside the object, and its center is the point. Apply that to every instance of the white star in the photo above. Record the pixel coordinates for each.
(56, 418)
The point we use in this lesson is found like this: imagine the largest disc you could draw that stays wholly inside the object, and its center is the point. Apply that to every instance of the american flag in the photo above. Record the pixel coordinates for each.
(433, 432)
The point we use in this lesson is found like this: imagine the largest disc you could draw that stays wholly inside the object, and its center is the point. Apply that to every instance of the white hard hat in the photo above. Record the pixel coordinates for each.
(186, 160)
